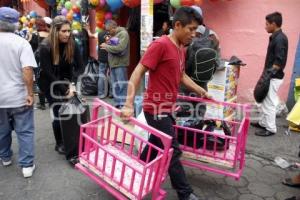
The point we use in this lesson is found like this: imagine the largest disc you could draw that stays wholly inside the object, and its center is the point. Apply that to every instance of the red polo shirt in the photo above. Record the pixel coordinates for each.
(165, 62)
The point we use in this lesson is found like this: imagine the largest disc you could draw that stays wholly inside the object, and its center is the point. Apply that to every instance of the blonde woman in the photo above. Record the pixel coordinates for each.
(61, 63)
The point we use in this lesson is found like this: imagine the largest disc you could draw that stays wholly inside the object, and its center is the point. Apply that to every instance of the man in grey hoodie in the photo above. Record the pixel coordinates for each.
(118, 59)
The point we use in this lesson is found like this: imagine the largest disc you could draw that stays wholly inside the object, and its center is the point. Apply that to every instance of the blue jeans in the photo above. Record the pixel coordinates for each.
(119, 82)
(22, 121)
(103, 81)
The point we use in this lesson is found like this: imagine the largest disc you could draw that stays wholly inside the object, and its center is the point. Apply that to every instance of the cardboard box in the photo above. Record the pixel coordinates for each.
(223, 87)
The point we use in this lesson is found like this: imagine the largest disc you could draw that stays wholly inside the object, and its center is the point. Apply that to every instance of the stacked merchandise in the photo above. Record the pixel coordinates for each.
(223, 87)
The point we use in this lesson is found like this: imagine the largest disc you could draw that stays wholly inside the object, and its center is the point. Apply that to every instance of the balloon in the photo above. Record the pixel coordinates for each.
(62, 2)
(33, 14)
(108, 16)
(76, 17)
(76, 9)
(23, 19)
(114, 4)
(132, 3)
(102, 3)
(94, 3)
(69, 16)
(187, 2)
(100, 15)
(100, 24)
(175, 3)
(68, 5)
(198, 2)
(76, 26)
(99, 30)
(64, 12)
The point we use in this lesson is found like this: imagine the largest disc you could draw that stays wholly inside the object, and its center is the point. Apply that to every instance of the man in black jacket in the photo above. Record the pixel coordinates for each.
(275, 61)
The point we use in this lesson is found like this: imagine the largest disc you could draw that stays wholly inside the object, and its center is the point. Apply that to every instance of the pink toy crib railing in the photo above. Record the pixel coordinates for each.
(107, 155)
(227, 159)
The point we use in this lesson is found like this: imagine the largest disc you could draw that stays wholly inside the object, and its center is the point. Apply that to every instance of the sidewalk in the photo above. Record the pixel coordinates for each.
(55, 179)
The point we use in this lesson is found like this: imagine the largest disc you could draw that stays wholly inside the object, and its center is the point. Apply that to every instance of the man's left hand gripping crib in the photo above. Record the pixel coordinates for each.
(107, 155)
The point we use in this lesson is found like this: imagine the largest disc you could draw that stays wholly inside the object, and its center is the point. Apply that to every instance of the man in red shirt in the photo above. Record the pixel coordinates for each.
(165, 60)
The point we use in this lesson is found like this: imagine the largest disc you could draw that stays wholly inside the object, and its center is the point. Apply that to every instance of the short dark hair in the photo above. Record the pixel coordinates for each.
(40, 24)
(185, 15)
(275, 17)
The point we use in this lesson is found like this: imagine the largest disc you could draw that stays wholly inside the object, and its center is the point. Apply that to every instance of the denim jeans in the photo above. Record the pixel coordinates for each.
(177, 174)
(22, 121)
(104, 87)
(119, 82)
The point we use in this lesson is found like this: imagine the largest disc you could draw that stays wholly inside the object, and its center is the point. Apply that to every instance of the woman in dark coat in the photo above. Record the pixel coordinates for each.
(61, 63)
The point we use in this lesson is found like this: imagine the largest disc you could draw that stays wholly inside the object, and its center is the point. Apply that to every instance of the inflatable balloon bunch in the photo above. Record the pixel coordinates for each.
(102, 15)
(179, 3)
(113, 5)
(71, 11)
(28, 21)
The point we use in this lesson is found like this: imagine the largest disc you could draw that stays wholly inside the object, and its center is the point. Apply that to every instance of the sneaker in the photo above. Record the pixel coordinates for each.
(6, 163)
(28, 171)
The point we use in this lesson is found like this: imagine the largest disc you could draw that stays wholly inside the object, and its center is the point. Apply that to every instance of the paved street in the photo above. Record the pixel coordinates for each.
(55, 179)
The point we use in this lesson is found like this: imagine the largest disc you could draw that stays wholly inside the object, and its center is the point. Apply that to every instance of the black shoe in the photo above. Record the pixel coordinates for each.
(73, 161)
(292, 198)
(192, 197)
(60, 149)
(264, 133)
(119, 107)
(257, 125)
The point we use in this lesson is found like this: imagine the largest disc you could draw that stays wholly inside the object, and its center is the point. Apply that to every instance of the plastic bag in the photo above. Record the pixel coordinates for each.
(72, 114)
(89, 80)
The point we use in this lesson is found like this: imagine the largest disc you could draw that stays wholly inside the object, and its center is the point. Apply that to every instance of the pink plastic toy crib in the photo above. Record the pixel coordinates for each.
(230, 159)
(107, 155)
